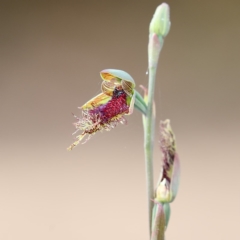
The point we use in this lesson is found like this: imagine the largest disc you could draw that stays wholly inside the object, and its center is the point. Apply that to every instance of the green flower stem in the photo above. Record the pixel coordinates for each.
(148, 143)
(154, 48)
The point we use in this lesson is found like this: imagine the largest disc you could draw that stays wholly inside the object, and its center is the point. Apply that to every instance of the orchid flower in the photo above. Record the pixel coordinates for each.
(106, 110)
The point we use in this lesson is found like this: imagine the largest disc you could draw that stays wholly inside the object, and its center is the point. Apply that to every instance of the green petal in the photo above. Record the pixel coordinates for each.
(127, 87)
(96, 101)
(131, 106)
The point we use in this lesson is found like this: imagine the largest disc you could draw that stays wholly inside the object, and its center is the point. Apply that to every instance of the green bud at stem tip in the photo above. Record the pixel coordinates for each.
(160, 23)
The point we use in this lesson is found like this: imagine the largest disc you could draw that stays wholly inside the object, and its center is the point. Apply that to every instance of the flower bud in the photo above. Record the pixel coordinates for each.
(169, 180)
(160, 23)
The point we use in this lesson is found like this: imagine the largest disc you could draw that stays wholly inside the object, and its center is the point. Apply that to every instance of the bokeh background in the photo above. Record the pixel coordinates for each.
(51, 53)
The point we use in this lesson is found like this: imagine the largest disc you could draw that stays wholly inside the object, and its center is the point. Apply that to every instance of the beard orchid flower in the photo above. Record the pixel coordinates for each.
(106, 110)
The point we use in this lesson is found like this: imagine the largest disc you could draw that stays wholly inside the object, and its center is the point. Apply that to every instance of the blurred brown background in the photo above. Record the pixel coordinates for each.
(51, 53)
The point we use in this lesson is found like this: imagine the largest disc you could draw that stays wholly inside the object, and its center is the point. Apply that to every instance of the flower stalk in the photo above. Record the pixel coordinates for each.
(158, 30)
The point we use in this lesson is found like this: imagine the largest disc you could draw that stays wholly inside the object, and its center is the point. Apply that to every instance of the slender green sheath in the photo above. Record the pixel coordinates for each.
(158, 227)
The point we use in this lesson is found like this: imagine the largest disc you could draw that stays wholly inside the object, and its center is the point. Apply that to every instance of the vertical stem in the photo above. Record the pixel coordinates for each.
(154, 49)
(149, 143)
(149, 175)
